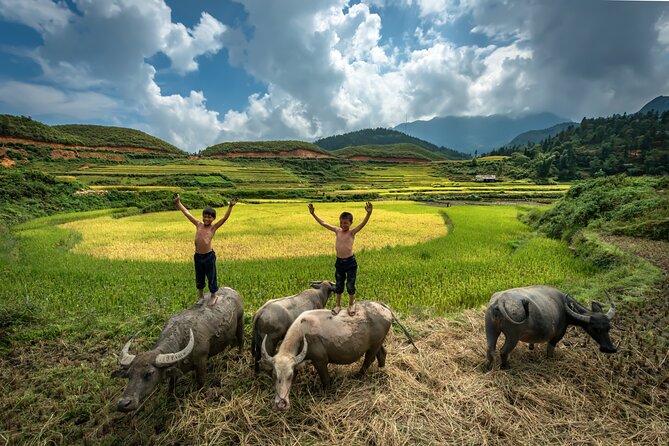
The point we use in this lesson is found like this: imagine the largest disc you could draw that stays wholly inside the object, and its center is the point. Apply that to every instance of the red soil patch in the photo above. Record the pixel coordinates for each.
(392, 160)
(7, 162)
(298, 153)
(53, 145)
(63, 154)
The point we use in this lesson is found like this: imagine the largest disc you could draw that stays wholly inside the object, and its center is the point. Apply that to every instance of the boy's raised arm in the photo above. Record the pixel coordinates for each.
(368, 208)
(183, 209)
(312, 211)
(219, 223)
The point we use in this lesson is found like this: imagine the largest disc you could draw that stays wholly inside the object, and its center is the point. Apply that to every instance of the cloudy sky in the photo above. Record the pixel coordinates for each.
(200, 72)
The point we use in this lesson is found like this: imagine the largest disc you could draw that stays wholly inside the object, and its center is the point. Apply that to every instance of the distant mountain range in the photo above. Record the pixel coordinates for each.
(477, 133)
(535, 136)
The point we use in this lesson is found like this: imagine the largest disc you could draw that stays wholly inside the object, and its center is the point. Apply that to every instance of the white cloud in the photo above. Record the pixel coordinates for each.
(42, 15)
(35, 99)
(182, 46)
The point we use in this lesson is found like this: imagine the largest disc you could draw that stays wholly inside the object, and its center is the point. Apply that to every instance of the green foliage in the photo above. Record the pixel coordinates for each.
(99, 135)
(82, 135)
(404, 150)
(24, 127)
(260, 147)
(637, 206)
(382, 136)
(636, 144)
(29, 194)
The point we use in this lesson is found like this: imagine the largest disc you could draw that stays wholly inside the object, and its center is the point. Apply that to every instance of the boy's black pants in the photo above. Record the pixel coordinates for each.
(205, 266)
(346, 270)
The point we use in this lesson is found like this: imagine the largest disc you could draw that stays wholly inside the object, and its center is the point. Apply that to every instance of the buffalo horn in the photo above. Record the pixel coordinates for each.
(263, 352)
(612, 310)
(575, 315)
(299, 358)
(126, 359)
(165, 359)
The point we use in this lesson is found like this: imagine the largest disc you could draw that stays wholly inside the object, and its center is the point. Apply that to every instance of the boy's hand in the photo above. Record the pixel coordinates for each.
(368, 207)
(311, 209)
(233, 202)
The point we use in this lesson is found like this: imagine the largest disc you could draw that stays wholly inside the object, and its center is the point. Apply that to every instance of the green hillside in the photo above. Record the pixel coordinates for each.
(405, 150)
(261, 147)
(25, 127)
(100, 135)
(636, 144)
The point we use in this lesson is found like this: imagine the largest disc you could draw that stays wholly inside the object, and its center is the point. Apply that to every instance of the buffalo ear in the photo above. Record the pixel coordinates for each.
(120, 373)
(596, 307)
(173, 372)
(316, 285)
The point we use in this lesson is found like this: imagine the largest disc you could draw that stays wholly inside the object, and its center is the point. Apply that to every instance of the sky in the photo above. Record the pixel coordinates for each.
(200, 72)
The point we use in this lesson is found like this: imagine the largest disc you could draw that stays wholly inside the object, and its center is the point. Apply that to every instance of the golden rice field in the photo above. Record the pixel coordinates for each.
(267, 231)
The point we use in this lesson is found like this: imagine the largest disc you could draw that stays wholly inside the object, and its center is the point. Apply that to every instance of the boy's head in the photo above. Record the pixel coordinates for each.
(208, 216)
(345, 220)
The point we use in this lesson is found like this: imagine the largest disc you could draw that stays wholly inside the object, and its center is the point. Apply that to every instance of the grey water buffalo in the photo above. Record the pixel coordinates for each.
(275, 316)
(540, 313)
(323, 338)
(185, 343)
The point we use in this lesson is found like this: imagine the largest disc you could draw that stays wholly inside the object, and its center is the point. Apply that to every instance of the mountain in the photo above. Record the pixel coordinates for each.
(389, 152)
(535, 136)
(660, 104)
(383, 136)
(477, 133)
(266, 149)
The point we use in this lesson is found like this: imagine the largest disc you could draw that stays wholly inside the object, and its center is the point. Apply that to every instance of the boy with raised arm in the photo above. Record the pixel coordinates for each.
(346, 268)
(205, 257)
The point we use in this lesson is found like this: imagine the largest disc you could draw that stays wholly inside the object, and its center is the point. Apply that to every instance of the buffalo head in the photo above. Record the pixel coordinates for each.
(594, 322)
(283, 372)
(145, 371)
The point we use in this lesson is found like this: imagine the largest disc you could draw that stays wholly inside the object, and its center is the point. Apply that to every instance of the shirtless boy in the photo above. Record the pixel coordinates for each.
(346, 268)
(205, 257)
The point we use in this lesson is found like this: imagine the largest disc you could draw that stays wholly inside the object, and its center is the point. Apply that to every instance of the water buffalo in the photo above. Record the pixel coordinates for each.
(274, 318)
(323, 338)
(540, 313)
(185, 343)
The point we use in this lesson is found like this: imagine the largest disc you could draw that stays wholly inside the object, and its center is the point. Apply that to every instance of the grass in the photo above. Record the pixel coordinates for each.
(488, 250)
(65, 316)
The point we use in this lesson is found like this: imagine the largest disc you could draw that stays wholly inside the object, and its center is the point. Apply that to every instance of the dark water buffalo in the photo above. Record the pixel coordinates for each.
(187, 340)
(323, 338)
(540, 313)
(274, 318)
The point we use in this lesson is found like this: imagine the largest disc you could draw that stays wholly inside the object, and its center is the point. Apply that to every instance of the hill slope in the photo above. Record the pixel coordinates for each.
(81, 135)
(269, 149)
(389, 152)
(535, 136)
(478, 133)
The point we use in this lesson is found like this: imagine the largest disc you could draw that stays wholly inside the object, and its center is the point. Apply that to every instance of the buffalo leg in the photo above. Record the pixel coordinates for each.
(240, 333)
(200, 366)
(322, 369)
(491, 334)
(370, 356)
(509, 344)
(550, 348)
(381, 356)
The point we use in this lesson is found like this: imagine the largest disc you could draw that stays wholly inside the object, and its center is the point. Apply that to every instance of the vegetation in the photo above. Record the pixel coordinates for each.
(382, 136)
(636, 144)
(617, 205)
(24, 127)
(81, 135)
(401, 151)
(98, 135)
(260, 147)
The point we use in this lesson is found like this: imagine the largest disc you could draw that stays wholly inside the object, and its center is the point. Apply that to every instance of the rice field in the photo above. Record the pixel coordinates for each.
(486, 249)
(271, 231)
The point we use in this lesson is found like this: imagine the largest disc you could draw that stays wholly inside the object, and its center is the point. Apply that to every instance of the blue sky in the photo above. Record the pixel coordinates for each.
(199, 72)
